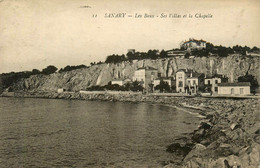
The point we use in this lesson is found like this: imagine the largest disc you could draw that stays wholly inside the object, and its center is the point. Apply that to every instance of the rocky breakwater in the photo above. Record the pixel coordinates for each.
(228, 138)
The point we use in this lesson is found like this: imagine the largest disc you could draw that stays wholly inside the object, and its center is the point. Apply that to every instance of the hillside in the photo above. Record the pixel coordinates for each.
(232, 66)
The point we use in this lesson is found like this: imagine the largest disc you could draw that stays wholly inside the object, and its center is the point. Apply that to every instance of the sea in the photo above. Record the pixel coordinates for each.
(60, 133)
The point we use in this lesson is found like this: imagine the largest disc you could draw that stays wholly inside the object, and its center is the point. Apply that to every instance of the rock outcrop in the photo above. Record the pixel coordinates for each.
(228, 139)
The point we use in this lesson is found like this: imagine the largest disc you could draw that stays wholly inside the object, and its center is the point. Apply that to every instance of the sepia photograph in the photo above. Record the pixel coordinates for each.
(129, 84)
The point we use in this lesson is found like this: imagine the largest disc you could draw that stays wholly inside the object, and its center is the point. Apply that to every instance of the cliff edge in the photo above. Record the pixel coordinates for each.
(232, 66)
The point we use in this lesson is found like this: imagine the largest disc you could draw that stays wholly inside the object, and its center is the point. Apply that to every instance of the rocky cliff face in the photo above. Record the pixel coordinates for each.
(232, 66)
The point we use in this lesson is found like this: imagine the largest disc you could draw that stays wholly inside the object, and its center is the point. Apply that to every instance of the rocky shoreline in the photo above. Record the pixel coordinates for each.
(228, 136)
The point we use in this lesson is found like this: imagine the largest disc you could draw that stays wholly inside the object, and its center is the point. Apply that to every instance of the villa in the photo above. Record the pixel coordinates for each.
(211, 82)
(193, 44)
(240, 88)
(188, 81)
(146, 75)
(120, 82)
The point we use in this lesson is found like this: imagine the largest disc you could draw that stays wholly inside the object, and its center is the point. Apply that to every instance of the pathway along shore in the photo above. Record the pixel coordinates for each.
(228, 136)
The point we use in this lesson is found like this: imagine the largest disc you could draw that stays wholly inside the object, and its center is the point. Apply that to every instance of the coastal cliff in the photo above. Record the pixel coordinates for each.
(232, 66)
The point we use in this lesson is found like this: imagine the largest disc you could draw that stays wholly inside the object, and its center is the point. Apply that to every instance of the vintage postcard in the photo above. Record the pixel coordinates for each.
(140, 83)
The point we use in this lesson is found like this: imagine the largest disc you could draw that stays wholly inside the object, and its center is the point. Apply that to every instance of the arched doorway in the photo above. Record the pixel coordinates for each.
(232, 91)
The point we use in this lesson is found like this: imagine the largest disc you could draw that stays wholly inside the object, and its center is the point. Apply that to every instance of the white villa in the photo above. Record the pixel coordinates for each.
(212, 82)
(146, 75)
(240, 88)
(193, 44)
(188, 81)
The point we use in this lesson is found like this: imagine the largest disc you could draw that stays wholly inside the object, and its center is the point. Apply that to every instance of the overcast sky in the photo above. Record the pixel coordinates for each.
(37, 33)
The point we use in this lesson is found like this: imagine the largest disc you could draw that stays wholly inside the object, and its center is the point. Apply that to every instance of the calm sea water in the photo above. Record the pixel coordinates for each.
(71, 133)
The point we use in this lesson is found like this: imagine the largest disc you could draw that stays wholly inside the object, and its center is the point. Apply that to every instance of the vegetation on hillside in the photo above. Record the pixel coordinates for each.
(70, 68)
(7, 79)
(210, 49)
(253, 82)
(222, 51)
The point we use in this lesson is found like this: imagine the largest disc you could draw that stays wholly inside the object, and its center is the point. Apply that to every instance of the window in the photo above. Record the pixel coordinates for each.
(159, 75)
(180, 84)
(208, 82)
(216, 89)
(241, 90)
(216, 81)
(194, 82)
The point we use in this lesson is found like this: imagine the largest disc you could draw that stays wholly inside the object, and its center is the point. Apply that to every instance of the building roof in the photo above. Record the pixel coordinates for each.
(194, 40)
(190, 73)
(194, 75)
(214, 76)
(127, 79)
(235, 84)
(147, 68)
(164, 78)
(185, 70)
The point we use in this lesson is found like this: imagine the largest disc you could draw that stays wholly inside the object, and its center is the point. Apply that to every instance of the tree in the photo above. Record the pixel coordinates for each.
(255, 49)
(136, 86)
(163, 86)
(95, 88)
(173, 87)
(209, 47)
(70, 68)
(92, 63)
(115, 58)
(131, 56)
(49, 70)
(187, 55)
(127, 86)
(151, 54)
(163, 54)
(35, 71)
(253, 82)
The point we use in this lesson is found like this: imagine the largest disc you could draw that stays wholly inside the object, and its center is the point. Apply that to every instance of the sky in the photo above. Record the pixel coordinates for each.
(36, 33)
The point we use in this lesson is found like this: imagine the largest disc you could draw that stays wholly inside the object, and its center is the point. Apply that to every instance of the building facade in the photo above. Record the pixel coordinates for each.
(120, 82)
(175, 53)
(240, 88)
(188, 81)
(211, 82)
(117, 82)
(60, 90)
(146, 75)
(193, 44)
(181, 80)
